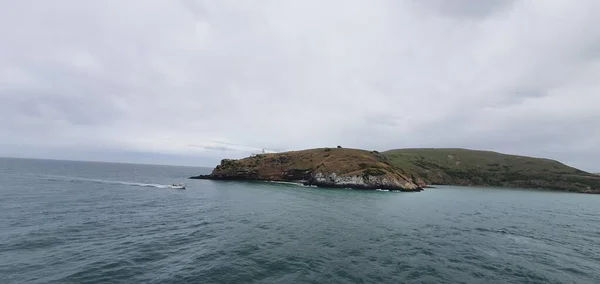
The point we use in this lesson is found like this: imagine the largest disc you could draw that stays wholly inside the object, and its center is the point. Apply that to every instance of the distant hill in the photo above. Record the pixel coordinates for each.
(452, 166)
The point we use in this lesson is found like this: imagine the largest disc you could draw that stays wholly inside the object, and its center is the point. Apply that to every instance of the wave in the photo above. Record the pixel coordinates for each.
(285, 182)
(103, 181)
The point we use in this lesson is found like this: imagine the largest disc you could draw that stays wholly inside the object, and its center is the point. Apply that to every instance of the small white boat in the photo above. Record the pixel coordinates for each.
(177, 186)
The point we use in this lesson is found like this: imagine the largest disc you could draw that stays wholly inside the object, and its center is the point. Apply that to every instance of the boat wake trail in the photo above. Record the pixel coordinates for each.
(103, 181)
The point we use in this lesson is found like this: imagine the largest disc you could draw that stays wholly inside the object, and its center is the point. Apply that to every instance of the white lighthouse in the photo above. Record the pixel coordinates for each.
(256, 154)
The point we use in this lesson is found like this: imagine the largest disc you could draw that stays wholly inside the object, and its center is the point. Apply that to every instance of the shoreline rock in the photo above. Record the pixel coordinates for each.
(356, 182)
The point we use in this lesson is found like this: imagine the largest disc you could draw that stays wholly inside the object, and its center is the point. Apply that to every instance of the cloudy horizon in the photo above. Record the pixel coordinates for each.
(192, 82)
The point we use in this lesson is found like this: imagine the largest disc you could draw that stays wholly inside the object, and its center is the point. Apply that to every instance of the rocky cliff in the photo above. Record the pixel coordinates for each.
(324, 167)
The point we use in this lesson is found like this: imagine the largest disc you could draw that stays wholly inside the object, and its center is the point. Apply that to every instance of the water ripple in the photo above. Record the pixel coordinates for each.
(69, 230)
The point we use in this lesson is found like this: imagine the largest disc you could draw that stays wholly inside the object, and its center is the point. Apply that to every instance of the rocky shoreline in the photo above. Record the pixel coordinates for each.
(328, 181)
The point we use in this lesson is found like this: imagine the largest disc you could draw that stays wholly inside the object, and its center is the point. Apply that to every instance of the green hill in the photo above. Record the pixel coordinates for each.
(453, 166)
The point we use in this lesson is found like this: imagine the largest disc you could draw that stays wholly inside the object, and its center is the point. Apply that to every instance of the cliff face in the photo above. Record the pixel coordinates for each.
(326, 167)
(485, 168)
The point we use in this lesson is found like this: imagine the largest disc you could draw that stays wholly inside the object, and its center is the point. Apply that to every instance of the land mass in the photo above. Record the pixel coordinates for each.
(451, 166)
(325, 167)
(406, 169)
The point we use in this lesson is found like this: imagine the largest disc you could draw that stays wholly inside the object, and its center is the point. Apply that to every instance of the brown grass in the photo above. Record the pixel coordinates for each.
(342, 161)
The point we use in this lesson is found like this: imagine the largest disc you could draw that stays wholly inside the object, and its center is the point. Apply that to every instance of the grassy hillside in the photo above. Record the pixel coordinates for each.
(471, 167)
(304, 164)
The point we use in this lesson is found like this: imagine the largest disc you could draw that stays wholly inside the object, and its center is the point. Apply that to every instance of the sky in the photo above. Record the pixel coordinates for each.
(191, 82)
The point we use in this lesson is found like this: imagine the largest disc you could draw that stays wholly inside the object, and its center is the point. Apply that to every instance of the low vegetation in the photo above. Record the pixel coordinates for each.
(486, 168)
(298, 164)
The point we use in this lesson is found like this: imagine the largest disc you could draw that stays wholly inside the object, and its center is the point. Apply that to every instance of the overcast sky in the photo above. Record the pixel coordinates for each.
(191, 82)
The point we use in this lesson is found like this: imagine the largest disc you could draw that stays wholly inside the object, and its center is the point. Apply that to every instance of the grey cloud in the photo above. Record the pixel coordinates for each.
(516, 95)
(218, 148)
(383, 119)
(468, 9)
(221, 79)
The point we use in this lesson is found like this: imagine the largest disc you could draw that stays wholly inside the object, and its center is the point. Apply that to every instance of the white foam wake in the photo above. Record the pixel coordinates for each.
(103, 181)
(285, 182)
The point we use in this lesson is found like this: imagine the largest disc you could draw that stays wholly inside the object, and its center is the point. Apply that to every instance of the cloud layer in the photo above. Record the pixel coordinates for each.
(195, 81)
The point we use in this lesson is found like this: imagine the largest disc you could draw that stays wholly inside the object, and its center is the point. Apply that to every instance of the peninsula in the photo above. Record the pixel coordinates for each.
(406, 169)
(324, 167)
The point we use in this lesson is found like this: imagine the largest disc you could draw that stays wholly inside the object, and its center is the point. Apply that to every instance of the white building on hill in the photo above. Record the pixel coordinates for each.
(256, 154)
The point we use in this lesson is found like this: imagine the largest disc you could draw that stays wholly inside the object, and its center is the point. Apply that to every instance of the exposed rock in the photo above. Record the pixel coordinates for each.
(362, 182)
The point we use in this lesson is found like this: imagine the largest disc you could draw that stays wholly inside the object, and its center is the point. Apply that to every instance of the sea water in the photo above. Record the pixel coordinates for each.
(83, 222)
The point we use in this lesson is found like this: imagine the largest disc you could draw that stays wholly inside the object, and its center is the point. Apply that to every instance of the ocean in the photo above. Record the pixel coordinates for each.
(86, 222)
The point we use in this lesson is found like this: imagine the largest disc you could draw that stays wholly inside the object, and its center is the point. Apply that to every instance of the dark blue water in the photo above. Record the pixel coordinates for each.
(76, 222)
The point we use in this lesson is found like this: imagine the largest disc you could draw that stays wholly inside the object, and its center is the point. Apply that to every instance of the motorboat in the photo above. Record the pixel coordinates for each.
(177, 186)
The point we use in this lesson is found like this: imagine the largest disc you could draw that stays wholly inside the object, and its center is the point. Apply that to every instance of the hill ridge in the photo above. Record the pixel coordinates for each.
(461, 166)
(475, 150)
